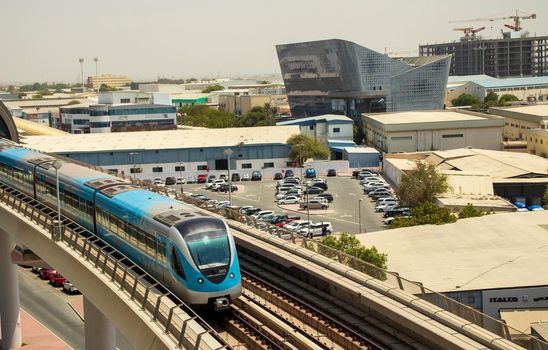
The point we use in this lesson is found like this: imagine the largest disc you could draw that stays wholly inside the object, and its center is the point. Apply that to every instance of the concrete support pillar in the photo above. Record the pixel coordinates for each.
(99, 330)
(9, 296)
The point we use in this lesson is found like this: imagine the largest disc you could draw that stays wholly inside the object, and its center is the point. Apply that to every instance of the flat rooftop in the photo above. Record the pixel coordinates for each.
(422, 117)
(157, 140)
(495, 251)
(540, 110)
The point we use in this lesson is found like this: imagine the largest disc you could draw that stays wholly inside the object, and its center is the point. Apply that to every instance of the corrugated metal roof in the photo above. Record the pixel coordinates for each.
(511, 82)
(326, 117)
(155, 140)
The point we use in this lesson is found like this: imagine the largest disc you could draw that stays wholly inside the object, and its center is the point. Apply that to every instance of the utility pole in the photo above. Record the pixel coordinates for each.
(96, 59)
(81, 60)
(228, 152)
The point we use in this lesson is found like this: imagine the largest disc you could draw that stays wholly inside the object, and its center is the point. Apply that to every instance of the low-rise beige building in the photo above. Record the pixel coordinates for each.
(537, 142)
(241, 104)
(114, 81)
(432, 130)
(520, 119)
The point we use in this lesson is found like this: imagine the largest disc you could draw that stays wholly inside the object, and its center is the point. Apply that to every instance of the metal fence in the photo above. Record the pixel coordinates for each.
(390, 278)
(185, 328)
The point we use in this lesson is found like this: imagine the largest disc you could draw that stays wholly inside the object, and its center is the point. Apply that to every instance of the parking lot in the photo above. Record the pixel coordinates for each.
(343, 212)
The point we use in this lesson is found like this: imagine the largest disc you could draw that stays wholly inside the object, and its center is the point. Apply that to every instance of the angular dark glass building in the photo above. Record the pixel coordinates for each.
(339, 76)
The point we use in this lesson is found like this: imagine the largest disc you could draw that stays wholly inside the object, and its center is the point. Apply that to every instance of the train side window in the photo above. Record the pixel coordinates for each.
(161, 247)
(176, 264)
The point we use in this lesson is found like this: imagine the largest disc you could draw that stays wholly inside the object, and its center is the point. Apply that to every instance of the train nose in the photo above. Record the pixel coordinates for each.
(221, 303)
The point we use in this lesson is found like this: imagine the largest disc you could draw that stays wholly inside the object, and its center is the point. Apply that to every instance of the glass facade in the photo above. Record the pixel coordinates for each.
(340, 76)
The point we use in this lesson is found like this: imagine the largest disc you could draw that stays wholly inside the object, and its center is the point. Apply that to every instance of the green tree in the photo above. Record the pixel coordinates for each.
(491, 100)
(255, 117)
(465, 100)
(269, 109)
(358, 135)
(11, 89)
(73, 102)
(350, 245)
(212, 88)
(506, 98)
(545, 197)
(425, 214)
(470, 212)
(203, 116)
(264, 82)
(421, 185)
(304, 147)
(105, 87)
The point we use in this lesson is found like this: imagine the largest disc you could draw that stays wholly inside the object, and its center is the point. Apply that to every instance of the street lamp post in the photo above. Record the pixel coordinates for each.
(360, 213)
(300, 145)
(181, 175)
(307, 208)
(134, 158)
(228, 152)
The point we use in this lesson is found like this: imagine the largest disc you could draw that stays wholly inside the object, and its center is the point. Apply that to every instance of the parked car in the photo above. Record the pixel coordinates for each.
(267, 217)
(246, 177)
(69, 288)
(235, 177)
(224, 177)
(57, 280)
(170, 180)
(367, 179)
(535, 208)
(36, 269)
(327, 196)
(287, 221)
(296, 225)
(397, 212)
(317, 229)
(157, 181)
(191, 180)
(331, 172)
(244, 209)
(364, 174)
(289, 173)
(378, 193)
(314, 204)
(313, 190)
(46, 273)
(383, 207)
(256, 176)
(262, 213)
(383, 200)
(370, 187)
(278, 176)
(222, 204)
(293, 192)
(216, 183)
(180, 181)
(289, 200)
(202, 178)
(224, 188)
(310, 173)
(212, 177)
(252, 211)
(320, 184)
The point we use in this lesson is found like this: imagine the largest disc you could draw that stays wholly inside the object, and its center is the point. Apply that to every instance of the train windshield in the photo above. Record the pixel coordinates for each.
(207, 241)
(209, 249)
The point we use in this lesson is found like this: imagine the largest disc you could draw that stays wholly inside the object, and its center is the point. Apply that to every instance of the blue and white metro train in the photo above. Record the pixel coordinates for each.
(194, 255)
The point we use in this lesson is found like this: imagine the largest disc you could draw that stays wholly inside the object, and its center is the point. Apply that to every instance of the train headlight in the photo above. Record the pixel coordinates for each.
(231, 275)
(200, 280)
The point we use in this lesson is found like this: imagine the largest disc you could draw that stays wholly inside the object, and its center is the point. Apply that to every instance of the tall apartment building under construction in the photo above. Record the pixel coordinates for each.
(505, 57)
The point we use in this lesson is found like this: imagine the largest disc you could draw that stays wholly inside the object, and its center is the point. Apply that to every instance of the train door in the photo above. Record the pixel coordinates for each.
(163, 257)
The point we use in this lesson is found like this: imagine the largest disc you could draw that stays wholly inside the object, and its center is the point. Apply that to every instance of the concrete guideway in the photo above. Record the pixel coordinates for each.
(114, 290)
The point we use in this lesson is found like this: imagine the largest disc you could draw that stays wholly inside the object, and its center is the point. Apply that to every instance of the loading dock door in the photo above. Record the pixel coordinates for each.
(221, 164)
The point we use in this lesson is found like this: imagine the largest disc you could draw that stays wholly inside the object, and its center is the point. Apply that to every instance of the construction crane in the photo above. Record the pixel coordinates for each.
(517, 20)
(469, 31)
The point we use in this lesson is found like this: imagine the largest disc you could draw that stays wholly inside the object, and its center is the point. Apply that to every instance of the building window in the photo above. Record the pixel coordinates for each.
(290, 164)
(450, 136)
(311, 127)
(268, 165)
(202, 167)
(506, 123)
(180, 168)
(336, 129)
(112, 171)
(157, 169)
(125, 100)
(135, 170)
(246, 165)
(399, 138)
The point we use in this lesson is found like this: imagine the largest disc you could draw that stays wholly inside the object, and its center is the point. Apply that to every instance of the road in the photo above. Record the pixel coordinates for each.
(50, 307)
(343, 214)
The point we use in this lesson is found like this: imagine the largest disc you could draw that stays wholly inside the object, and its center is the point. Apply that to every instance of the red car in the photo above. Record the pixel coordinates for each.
(57, 280)
(287, 221)
(46, 273)
(202, 178)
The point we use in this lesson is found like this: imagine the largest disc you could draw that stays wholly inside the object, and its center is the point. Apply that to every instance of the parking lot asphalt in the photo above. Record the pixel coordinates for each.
(342, 213)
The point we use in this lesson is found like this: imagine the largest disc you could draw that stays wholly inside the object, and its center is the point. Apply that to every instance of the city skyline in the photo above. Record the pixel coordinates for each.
(213, 38)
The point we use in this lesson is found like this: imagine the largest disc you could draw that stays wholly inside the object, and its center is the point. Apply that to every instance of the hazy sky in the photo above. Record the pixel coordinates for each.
(42, 40)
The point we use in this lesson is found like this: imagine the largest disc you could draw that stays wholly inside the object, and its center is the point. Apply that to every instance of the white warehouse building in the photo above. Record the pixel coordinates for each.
(432, 130)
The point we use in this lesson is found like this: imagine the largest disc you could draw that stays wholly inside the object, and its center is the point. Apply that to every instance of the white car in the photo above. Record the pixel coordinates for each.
(316, 229)
(370, 179)
(262, 213)
(222, 204)
(386, 206)
(289, 200)
(216, 184)
(157, 181)
(180, 181)
(246, 177)
(291, 192)
(296, 225)
(389, 220)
